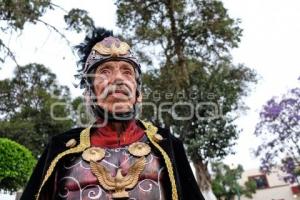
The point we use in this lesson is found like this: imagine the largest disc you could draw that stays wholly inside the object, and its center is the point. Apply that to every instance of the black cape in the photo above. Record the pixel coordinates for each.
(187, 188)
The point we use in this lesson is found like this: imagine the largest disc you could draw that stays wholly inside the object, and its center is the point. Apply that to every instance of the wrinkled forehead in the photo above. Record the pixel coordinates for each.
(116, 64)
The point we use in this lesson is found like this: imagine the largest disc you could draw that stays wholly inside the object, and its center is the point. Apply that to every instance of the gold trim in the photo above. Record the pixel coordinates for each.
(84, 143)
(150, 132)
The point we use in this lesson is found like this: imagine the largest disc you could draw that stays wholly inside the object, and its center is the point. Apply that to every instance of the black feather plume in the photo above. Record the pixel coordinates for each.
(84, 48)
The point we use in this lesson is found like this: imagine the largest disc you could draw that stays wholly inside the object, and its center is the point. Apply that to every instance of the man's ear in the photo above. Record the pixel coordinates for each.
(139, 98)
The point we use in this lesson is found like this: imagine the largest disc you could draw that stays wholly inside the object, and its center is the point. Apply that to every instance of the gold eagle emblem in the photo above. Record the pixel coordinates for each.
(113, 50)
(118, 183)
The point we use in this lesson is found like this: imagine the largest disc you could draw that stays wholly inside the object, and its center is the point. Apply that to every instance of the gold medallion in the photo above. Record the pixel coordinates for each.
(139, 149)
(93, 154)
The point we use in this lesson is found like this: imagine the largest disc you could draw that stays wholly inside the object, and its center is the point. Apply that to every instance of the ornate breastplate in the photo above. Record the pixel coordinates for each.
(131, 172)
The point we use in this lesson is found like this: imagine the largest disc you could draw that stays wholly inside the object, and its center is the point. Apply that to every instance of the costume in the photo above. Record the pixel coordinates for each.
(124, 159)
(186, 187)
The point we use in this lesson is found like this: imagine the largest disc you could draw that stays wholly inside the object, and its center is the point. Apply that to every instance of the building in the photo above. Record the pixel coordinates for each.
(270, 186)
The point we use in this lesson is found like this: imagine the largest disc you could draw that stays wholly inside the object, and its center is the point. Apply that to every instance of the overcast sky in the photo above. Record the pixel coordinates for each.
(270, 45)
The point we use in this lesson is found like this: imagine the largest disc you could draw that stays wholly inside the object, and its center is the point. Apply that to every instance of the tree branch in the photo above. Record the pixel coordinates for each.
(9, 52)
(56, 30)
(57, 6)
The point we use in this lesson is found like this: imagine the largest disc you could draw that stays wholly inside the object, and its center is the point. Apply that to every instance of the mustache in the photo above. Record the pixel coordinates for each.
(116, 88)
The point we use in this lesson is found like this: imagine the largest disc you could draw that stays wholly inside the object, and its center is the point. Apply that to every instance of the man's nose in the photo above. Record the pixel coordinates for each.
(117, 76)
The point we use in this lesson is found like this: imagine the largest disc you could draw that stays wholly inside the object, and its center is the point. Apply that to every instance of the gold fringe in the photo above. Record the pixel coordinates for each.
(84, 143)
(150, 132)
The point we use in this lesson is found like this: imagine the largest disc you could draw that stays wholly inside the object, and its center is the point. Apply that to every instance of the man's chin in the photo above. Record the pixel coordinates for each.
(118, 108)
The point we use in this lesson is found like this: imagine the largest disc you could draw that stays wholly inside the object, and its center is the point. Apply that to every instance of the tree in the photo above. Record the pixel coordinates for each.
(195, 29)
(79, 113)
(15, 14)
(33, 107)
(225, 185)
(16, 164)
(193, 41)
(279, 127)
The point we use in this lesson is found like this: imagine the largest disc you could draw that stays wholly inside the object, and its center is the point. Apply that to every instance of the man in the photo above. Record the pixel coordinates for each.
(118, 157)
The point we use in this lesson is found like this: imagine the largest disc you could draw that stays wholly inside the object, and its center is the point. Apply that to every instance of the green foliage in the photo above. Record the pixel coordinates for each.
(214, 134)
(79, 112)
(225, 185)
(33, 107)
(78, 20)
(196, 28)
(17, 13)
(16, 164)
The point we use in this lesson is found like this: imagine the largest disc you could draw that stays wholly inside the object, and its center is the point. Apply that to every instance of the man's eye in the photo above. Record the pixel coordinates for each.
(128, 72)
(104, 71)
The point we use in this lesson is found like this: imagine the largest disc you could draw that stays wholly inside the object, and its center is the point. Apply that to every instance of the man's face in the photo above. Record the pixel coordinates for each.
(115, 86)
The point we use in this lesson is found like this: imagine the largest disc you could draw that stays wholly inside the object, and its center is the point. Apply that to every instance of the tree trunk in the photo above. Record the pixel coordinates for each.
(202, 175)
(178, 46)
(203, 179)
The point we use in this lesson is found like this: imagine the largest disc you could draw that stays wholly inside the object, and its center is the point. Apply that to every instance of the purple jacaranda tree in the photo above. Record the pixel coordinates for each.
(279, 129)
